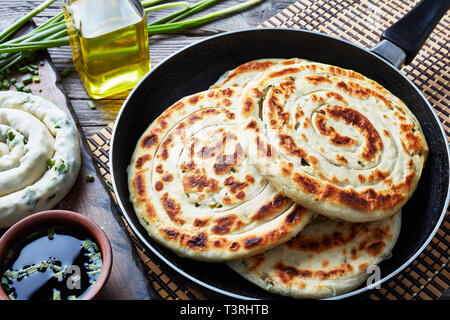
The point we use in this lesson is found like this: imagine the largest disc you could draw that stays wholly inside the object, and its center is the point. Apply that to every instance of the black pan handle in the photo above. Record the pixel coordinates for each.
(410, 32)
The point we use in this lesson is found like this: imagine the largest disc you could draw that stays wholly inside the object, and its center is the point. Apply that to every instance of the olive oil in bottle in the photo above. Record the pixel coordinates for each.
(109, 43)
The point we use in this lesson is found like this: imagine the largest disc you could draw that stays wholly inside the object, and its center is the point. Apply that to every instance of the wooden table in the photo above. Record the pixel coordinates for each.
(127, 281)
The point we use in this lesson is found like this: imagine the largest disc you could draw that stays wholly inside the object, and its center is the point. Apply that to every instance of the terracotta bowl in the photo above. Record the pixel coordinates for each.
(60, 218)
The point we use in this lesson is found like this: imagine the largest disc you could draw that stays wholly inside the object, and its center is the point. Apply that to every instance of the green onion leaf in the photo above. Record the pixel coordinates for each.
(27, 79)
(56, 294)
(19, 86)
(5, 84)
(89, 177)
(91, 105)
(67, 71)
(11, 135)
(87, 244)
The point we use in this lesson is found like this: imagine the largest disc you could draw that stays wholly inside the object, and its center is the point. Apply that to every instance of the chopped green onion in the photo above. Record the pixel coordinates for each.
(33, 234)
(41, 63)
(19, 86)
(66, 72)
(87, 243)
(10, 254)
(11, 135)
(29, 69)
(50, 163)
(51, 231)
(56, 267)
(13, 80)
(96, 249)
(27, 79)
(11, 274)
(36, 79)
(23, 70)
(26, 89)
(94, 266)
(32, 269)
(56, 294)
(60, 167)
(5, 84)
(91, 105)
(91, 273)
(95, 257)
(33, 66)
(5, 283)
(89, 178)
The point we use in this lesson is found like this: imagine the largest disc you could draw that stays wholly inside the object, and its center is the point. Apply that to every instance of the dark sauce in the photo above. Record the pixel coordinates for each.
(56, 263)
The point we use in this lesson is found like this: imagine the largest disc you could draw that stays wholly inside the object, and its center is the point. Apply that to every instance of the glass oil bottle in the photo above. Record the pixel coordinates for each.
(109, 43)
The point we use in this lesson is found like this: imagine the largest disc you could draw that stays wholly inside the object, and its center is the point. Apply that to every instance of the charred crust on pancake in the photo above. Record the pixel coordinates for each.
(149, 141)
(199, 183)
(170, 233)
(288, 144)
(139, 184)
(234, 246)
(317, 79)
(270, 207)
(253, 125)
(294, 216)
(198, 242)
(195, 98)
(287, 273)
(142, 160)
(223, 225)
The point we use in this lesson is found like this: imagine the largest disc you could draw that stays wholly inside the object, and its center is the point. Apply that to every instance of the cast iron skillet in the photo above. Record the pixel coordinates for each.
(196, 67)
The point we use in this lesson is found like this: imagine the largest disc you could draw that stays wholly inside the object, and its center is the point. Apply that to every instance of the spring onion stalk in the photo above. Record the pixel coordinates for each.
(32, 46)
(166, 6)
(175, 26)
(53, 32)
(8, 32)
(149, 3)
(196, 7)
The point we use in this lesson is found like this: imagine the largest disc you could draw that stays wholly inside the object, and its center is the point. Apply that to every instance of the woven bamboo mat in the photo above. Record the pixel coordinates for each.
(361, 22)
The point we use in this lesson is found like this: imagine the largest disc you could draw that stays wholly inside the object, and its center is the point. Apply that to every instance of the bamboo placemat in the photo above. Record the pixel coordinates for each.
(361, 22)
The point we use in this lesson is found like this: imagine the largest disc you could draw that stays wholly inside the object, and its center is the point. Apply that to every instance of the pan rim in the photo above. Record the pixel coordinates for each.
(243, 297)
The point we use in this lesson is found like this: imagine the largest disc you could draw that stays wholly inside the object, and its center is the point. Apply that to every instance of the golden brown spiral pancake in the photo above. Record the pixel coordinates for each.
(332, 140)
(326, 259)
(195, 191)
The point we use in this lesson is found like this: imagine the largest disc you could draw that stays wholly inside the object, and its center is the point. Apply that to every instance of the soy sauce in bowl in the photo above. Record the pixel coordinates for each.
(55, 263)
